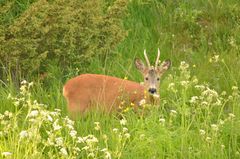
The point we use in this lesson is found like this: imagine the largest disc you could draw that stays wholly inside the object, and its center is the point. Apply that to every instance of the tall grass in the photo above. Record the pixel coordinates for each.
(198, 116)
(193, 121)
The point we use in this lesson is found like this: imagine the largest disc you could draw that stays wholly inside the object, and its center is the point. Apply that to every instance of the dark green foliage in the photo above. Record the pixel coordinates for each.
(68, 32)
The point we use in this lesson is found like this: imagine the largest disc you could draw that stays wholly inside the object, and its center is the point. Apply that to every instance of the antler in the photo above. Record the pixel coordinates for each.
(145, 55)
(157, 60)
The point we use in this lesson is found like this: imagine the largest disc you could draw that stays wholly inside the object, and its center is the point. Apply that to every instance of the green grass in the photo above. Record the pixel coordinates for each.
(206, 123)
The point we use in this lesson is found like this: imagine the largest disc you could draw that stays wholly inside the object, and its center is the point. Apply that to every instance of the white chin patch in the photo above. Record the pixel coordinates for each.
(155, 95)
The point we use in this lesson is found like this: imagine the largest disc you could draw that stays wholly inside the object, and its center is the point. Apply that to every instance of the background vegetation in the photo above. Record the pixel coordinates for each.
(48, 42)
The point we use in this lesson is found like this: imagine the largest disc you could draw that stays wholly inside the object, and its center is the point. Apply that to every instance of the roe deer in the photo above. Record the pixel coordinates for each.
(108, 92)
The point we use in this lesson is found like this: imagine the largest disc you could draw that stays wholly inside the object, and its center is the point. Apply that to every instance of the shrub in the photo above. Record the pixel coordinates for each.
(68, 32)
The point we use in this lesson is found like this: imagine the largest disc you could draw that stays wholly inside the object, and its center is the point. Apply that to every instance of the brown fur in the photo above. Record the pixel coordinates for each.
(107, 92)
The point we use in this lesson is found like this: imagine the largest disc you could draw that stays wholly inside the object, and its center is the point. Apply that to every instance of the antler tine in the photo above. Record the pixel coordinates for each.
(157, 60)
(145, 55)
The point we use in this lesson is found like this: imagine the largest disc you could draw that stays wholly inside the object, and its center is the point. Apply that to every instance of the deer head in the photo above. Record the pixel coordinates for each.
(152, 74)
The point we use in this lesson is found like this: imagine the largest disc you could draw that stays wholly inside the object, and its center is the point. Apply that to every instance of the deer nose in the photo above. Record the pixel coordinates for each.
(152, 90)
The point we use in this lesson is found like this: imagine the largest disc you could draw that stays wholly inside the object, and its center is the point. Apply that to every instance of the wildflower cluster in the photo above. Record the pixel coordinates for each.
(200, 103)
(121, 137)
(207, 97)
(46, 131)
(183, 80)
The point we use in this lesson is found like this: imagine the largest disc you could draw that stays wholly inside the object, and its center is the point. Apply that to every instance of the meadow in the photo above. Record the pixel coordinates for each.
(199, 112)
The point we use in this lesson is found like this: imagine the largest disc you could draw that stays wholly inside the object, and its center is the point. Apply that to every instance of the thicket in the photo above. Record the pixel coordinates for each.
(63, 32)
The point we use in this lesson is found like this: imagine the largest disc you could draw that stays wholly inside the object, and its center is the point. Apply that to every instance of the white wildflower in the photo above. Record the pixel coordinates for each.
(195, 80)
(125, 129)
(85, 148)
(216, 58)
(73, 133)
(221, 122)
(204, 103)
(173, 112)
(58, 110)
(59, 141)
(91, 139)
(23, 134)
(123, 121)
(193, 99)
(202, 132)
(200, 87)
(49, 118)
(224, 93)
(127, 135)
(54, 113)
(107, 155)
(218, 102)
(231, 115)
(115, 130)
(69, 123)
(104, 149)
(142, 102)
(91, 155)
(30, 84)
(214, 127)
(8, 114)
(234, 88)
(184, 83)
(64, 151)
(24, 82)
(56, 126)
(183, 65)
(43, 113)
(70, 126)
(5, 154)
(23, 89)
(230, 97)
(162, 120)
(210, 92)
(33, 113)
(208, 139)
(35, 102)
(80, 140)
(76, 149)
(171, 86)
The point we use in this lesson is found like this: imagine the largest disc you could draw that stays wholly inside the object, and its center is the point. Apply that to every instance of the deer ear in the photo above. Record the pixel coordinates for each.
(164, 66)
(139, 65)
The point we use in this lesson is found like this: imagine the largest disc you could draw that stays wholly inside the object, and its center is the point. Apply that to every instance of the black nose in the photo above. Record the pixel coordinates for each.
(152, 90)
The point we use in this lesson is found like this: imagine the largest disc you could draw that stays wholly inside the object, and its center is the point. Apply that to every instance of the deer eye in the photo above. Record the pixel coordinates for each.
(146, 78)
(158, 78)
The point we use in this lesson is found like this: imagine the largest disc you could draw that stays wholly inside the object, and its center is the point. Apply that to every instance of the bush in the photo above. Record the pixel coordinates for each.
(68, 32)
